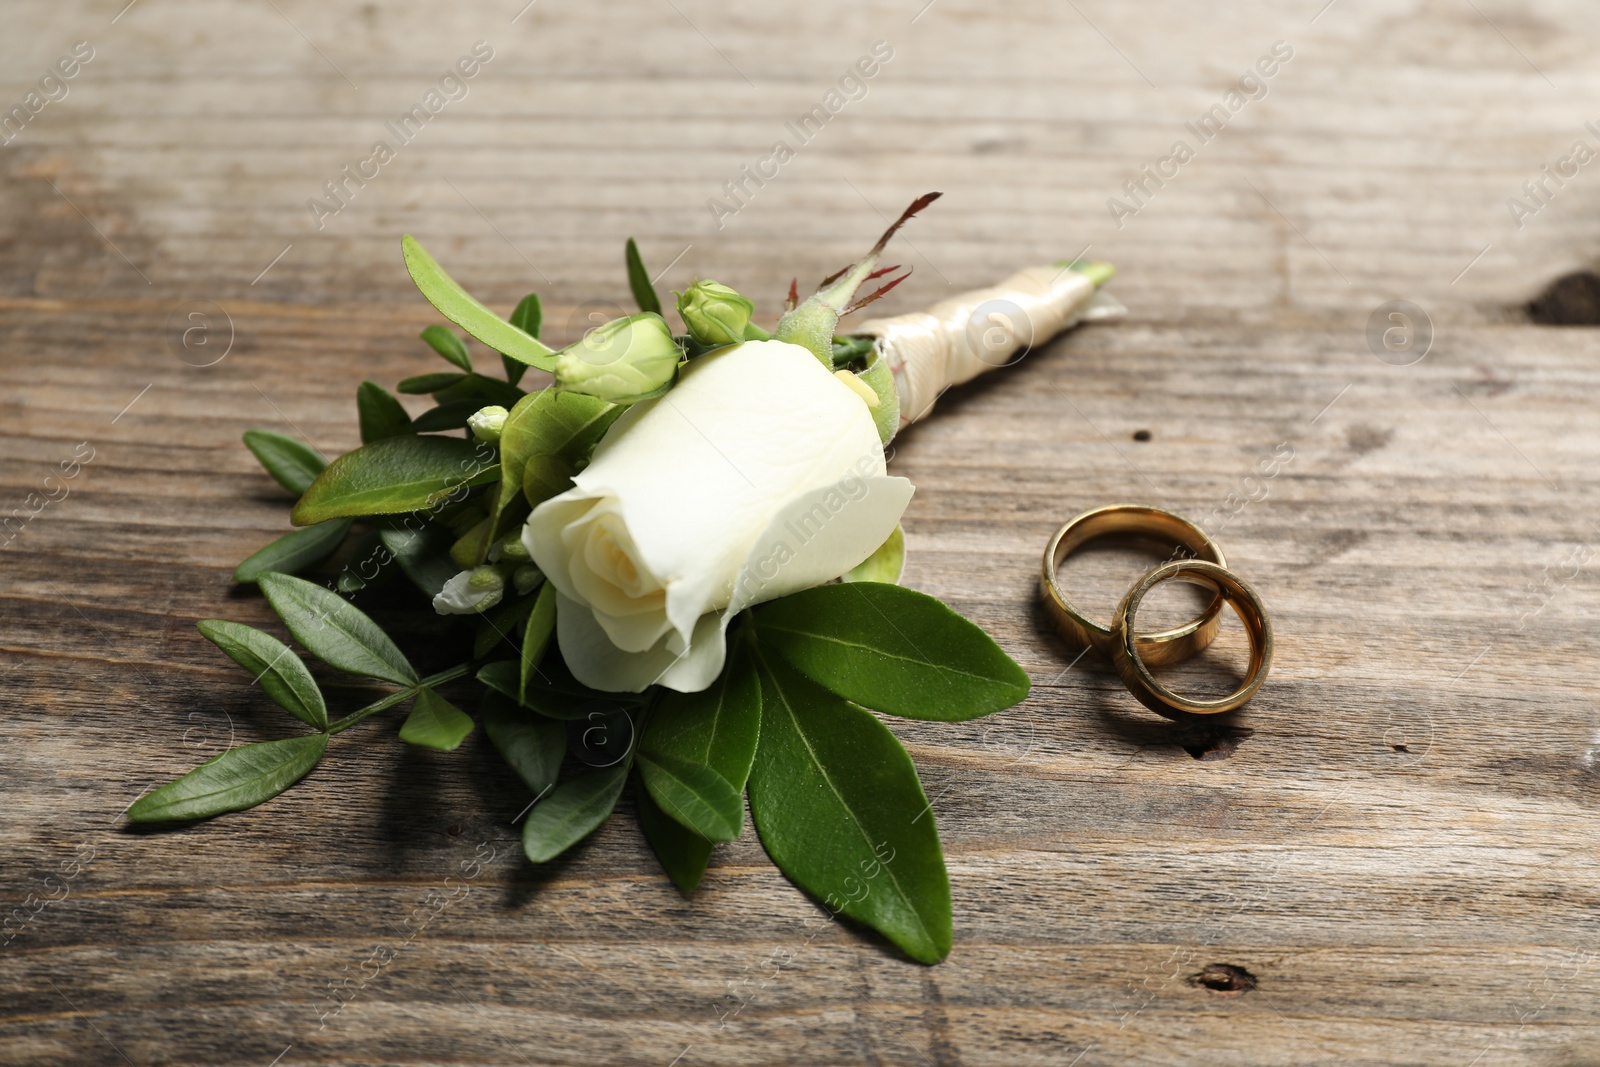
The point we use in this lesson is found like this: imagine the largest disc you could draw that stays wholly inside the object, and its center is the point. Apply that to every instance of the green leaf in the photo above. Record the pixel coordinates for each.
(893, 650)
(237, 779)
(294, 552)
(423, 552)
(552, 423)
(682, 852)
(536, 638)
(282, 674)
(456, 305)
(545, 476)
(644, 291)
(553, 691)
(381, 414)
(571, 812)
(884, 565)
(532, 744)
(717, 726)
(392, 476)
(293, 464)
(529, 318)
(434, 722)
(483, 390)
(695, 795)
(841, 812)
(504, 677)
(448, 345)
(418, 384)
(500, 623)
(451, 416)
(368, 567)
(472, 547)
(335, 630)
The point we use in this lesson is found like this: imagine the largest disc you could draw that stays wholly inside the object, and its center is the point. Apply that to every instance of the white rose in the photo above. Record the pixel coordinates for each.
(758, 475)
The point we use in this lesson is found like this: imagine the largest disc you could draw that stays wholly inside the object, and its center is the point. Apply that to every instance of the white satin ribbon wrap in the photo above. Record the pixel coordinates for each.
(958, 339)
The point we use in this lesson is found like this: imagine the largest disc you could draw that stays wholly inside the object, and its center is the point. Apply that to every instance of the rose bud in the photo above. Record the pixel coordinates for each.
(624, 361)
(486, 423)
(714, 314)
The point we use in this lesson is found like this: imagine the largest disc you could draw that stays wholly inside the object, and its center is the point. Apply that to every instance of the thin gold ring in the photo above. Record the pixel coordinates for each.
(1135, 671)
(1159, 649)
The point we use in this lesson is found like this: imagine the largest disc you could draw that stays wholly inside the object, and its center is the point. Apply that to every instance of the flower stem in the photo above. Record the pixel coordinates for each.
(395, 698)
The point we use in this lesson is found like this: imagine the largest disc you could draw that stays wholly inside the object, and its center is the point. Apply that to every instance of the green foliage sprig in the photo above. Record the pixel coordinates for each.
(792, 722)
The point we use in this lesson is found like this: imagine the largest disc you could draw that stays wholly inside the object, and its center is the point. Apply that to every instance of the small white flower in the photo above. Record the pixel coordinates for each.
(470, 592)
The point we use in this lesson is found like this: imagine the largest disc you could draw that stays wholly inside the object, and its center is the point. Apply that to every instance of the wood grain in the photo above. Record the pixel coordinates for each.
(1401, 852)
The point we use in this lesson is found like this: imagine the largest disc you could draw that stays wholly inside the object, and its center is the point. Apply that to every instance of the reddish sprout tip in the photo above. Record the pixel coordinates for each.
(835, 276)
(875, 294)
(916, 205)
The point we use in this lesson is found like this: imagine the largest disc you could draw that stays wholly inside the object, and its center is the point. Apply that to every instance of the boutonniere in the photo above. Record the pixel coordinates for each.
(679, 562)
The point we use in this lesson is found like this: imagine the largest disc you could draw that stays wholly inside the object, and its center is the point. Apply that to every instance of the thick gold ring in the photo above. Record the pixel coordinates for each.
(1157, 649)
(1135, 670)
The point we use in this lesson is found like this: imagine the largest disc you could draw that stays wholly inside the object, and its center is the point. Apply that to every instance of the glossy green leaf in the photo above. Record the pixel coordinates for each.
(381, 414)
(717, 726)
(282, 674)
(451, 416)
(418, 384)
(571, 812)
(884, 565)
(335, 630)
(448, 345)
(368, 566)
(293, 464)
(295, 551)
(536, 638)
(483, 391)
(423, 551)
(504, 677)
(237, 779)
(436, 723)
(552, 691)
(545, 476)
(695, 795)
(529, 318)
(485, 476)
(682, 852)
(500, 623)
(841, 812)
(893, 650)
(393, 476)
(529, 315)
(472, 547)
(549, 423)
(532, 744)
(455, 304)
(644, 291)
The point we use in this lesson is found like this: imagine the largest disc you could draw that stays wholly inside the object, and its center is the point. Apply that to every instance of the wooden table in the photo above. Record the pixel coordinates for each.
(1401, 855)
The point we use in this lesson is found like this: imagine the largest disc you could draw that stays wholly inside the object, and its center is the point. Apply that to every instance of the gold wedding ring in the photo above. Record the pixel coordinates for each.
(1154, 649)
(1133, 667)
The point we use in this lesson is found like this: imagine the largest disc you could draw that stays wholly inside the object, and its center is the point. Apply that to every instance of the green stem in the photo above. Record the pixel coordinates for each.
(1096, 272)
(395, 698)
